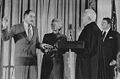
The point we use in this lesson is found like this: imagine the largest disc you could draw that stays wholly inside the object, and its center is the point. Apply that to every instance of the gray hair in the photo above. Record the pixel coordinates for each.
(59, 22)
(91, 14)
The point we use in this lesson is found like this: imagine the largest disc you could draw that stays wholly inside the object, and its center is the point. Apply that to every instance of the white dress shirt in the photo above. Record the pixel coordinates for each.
(26, 29)
(106, 33)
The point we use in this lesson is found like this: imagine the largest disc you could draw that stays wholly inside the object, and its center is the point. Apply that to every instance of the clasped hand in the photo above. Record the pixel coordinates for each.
(47, 47)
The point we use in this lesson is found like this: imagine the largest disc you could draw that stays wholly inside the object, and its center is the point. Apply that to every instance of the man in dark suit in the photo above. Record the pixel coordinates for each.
(52, 64)
(109, 50)
(26, 41)
(86, 62)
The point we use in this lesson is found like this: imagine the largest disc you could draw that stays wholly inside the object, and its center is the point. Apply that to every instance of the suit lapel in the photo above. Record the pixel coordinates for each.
(33, 32)
(26, 33)
(23, 29)
(108, 34)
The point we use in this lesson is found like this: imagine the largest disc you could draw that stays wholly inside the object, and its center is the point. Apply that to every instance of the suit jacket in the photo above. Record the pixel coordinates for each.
(25, 50)
(110, 48)
(86, 61)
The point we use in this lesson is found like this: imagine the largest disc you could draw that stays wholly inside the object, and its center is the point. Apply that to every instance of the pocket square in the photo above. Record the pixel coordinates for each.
(110, 37)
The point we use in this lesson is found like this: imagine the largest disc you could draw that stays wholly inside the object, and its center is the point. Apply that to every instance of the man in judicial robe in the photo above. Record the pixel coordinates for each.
(52, 64)
(86, 61)
(26, 41)
(109, 49)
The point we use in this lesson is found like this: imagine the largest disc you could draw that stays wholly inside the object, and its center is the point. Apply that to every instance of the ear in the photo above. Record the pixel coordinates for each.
(89, 18)
(109, 25)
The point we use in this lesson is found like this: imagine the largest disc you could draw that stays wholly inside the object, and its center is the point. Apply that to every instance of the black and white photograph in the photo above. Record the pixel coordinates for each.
(59, 39)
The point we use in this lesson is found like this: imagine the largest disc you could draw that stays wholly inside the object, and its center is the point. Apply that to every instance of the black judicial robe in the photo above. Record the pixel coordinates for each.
(86, 61)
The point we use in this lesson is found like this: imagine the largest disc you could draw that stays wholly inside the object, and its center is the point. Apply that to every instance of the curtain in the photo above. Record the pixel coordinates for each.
(117, 2)
(69, 11)
(91, 4)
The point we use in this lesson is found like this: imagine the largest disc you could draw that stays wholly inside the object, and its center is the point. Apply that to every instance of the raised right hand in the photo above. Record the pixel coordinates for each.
(5, 23)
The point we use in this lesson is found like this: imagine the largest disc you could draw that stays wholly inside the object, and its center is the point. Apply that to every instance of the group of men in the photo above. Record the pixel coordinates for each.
(101, 48)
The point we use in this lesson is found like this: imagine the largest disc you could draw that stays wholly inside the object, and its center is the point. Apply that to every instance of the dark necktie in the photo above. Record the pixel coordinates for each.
(103, 35)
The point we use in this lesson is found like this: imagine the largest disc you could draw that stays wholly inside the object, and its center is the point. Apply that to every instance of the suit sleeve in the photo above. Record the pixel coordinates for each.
(116, 46)
(6, 35)
(118, 42)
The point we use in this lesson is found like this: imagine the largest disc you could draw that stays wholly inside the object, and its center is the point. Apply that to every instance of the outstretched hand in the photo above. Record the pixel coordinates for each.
(5, 22)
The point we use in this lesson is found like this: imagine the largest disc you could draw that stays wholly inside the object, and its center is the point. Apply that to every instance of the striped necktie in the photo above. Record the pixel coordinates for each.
(103, 35)
(29, 32)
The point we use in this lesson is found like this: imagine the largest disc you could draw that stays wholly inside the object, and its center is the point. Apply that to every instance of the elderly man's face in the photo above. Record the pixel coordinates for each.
(55, 27)
(105, 25)
(30, 18)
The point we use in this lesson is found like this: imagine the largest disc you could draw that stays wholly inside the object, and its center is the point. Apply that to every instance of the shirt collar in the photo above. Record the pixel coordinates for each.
(25, 24)
(106, 30)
